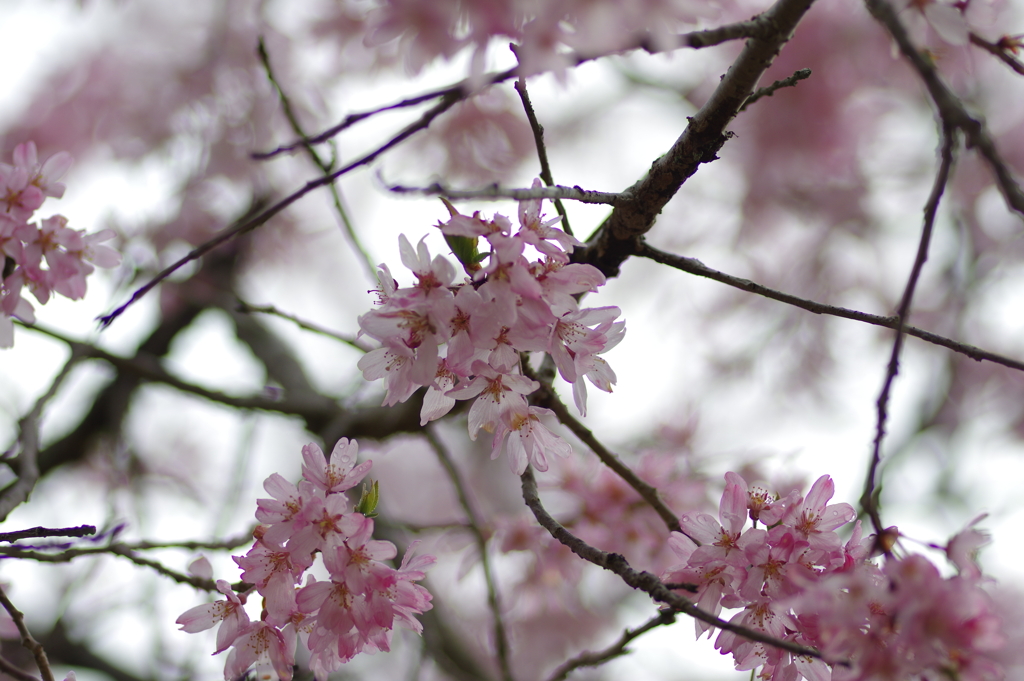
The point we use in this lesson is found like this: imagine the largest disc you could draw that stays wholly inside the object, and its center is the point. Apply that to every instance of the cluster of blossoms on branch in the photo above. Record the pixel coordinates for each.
(796, 581)
(356, 611)
(506, 308)
(26, 246)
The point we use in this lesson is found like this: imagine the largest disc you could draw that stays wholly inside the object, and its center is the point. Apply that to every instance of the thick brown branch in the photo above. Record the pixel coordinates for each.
(700, 142)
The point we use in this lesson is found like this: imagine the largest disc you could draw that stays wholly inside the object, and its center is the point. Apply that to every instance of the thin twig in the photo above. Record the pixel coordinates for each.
(769, 90)
(18, 673)
(122, 550)
(224, 544)
(695, 39)
(950, 108)
(617, 649)
(323, 165)
(455, 92)
(998, 51)
(36, 532)
(643, 581)
(869, 500)
(301, 323)
(28, 438)
(30, 643)
(694, 266)
(496, 192)
(546, 397)
(152, 371)
(542, 152)
(493, 598)
(261, 218)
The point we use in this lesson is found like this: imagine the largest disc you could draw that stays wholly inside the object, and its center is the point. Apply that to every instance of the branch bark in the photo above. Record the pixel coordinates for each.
(615, 240)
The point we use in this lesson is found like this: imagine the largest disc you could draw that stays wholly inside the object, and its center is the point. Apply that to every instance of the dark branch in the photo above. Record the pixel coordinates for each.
(33, 646)
(694, 266)
(1001, 52)
(768, 91)
(36, 532)
(615, 239)
(542, 152)
(950, 108)
(869, 500)
(617, 649)
(642, 581)
(546, 397)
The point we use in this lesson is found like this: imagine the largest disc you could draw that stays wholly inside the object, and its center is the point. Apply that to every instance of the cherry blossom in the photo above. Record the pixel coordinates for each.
(795, 582)
(354, 611)
(468, 340)
(69, 255)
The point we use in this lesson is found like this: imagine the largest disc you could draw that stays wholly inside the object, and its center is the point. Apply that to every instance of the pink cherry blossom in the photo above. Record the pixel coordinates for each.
(338, 474)
(353, 612)
(229, 613)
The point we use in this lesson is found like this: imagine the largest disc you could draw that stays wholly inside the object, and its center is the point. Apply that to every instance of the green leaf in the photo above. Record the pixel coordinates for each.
(368, 500)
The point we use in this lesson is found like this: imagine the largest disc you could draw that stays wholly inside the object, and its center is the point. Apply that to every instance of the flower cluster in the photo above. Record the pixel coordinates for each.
(354, 612)
(508, 307)
(797, 582)
(68, 254)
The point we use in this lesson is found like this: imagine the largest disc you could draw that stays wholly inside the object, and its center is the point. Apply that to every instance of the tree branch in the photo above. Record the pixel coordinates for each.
(642, 581)
(546, 397)
(1001, 52)
(542, 152)
(694, 266)
(324, 167)
(553, 192)
(18, 491)
(248, 308)
(149, 369)
(26, 637)
(11, 670)
(695, 39)
(617, 649)
(615, 239)
(117, 549)
(950, 109)
(36, 532)
(769, 90)
(869, 499)
(263, 216)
